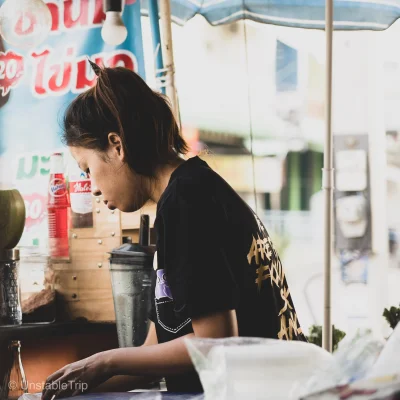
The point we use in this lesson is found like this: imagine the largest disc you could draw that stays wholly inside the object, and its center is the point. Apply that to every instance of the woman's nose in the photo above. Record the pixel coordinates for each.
(95, 190)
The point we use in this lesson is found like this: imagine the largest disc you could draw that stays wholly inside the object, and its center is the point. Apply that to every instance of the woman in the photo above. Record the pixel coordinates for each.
(218, 274)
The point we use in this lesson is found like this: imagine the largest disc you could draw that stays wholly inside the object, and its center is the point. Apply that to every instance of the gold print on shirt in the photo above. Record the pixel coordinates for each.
(269, 266)
(285, 294)
(287, 331)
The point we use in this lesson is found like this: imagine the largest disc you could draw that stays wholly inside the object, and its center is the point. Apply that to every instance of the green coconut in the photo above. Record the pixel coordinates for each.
(12, 218)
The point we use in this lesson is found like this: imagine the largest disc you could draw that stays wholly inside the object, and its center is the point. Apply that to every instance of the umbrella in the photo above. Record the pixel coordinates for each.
(326, 15)
(348, 14)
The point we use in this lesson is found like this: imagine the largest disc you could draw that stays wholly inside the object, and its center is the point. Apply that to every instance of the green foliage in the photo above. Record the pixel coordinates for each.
(392, 316)
(315, 336)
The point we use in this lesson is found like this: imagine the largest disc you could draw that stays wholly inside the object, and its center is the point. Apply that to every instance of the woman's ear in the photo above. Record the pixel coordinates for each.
(115, 145)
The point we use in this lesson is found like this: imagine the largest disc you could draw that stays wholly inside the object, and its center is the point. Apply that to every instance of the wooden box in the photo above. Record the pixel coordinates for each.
(83, 284)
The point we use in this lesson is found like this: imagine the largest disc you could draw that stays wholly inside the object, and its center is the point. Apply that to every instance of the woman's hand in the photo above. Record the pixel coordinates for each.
(78, 377)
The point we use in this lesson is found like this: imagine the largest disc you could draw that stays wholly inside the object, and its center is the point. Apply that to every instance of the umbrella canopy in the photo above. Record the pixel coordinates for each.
(348, 14)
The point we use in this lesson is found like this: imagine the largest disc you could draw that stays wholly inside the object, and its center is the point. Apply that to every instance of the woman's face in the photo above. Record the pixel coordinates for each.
(112, 178)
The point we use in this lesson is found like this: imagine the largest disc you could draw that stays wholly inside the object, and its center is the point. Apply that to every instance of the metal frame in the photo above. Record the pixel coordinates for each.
(328, 181)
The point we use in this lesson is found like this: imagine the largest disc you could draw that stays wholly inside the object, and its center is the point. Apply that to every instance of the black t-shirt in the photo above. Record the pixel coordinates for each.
(214, 254)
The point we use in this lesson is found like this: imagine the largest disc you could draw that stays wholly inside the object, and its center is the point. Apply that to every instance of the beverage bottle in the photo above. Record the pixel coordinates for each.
(81, 197)
(58, 209)
(15, 383)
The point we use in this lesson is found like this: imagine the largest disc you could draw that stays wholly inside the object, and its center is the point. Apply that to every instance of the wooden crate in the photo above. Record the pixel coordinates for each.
(85, 294)
(131, 221)
(83, 284)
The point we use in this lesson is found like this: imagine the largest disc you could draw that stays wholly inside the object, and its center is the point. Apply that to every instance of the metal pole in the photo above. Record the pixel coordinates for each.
(168, 55)
(327, 180)
(156, 38)
(378, 274)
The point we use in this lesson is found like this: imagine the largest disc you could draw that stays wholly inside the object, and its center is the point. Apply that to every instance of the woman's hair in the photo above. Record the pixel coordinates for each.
(121, 102)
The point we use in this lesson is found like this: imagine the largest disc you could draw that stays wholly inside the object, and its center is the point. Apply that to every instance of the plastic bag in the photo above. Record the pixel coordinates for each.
(31, 396)
(384, 388)
(351, 362)
(253, 368)
(388, 362)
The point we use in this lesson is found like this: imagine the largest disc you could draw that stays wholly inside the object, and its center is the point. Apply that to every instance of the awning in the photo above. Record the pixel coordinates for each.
(348, 14)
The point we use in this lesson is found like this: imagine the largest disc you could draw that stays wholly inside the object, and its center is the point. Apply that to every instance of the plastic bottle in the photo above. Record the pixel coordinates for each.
(58, 209)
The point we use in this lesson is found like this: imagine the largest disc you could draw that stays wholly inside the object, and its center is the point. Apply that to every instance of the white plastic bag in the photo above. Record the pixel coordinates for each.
(388, 362)
(351, 362)
(253, 368)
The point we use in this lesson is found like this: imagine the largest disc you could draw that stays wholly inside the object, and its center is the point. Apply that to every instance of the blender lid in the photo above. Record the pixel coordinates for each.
(129, 250)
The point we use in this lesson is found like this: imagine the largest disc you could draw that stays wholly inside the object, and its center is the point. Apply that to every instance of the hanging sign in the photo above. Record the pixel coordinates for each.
(37, 84)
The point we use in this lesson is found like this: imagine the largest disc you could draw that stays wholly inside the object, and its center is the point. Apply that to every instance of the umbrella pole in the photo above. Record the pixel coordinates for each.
(168, 55)
(156, 38)
(327, 179)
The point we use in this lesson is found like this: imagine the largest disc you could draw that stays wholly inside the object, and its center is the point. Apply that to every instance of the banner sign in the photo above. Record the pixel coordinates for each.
(37, 84)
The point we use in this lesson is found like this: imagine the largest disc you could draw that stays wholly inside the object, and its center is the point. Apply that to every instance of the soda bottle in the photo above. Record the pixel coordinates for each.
(81, 197)
(58, 209)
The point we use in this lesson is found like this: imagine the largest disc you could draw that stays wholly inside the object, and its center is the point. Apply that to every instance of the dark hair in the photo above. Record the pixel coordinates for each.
(121, 102)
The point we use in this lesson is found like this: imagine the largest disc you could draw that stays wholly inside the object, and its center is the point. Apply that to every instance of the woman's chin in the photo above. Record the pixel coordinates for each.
(130, 209)
(132, 206)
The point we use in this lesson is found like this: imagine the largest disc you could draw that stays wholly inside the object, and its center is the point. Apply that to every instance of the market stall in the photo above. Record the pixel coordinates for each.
(77, 283)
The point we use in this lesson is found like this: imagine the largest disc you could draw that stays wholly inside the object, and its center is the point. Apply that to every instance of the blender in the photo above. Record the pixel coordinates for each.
(131, 268)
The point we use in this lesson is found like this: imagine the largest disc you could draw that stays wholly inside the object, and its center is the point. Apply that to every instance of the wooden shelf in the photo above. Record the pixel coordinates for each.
(130, 221)
(57, 328)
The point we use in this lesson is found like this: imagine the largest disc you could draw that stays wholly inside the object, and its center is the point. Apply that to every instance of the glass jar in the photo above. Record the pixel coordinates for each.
(10, 292)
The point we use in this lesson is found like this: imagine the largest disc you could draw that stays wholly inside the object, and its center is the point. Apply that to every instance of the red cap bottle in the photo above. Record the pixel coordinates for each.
(58, 204)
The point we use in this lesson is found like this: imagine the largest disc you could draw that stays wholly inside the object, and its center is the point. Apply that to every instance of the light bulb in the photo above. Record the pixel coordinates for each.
(25, 23)
(114, 31)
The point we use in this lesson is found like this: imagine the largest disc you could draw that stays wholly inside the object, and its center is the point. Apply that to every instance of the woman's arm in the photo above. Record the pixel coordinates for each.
(119, 383)
(151, 336)
(147, 361)
(172, 357)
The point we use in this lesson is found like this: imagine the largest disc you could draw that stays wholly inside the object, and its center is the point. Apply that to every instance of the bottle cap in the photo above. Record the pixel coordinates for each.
(56, 164)
(75, 173)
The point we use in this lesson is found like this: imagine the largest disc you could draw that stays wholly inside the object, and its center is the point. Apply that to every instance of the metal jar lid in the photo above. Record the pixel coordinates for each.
(9, 255)
(133, 253)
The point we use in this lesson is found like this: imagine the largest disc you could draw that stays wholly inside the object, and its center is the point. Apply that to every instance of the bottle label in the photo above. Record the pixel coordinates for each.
(81, 187)
(57, 188)
(81, 197)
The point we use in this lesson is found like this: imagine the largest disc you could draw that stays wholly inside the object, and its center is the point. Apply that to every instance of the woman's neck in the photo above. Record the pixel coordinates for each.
(163, 177)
